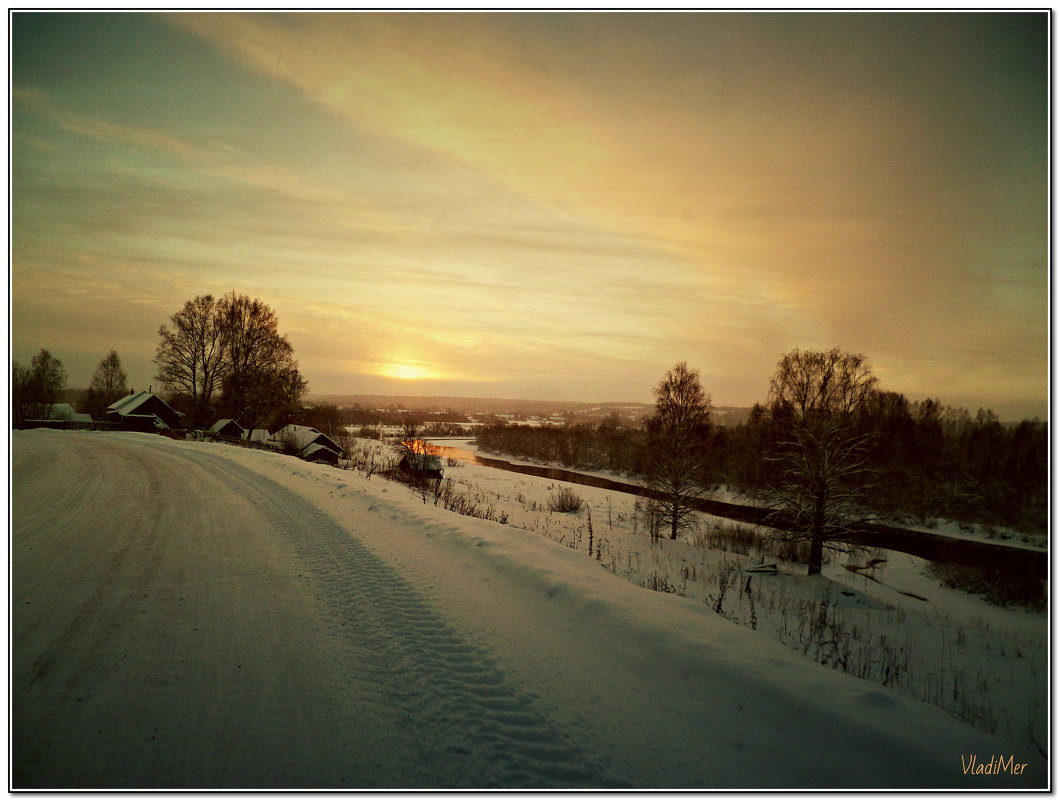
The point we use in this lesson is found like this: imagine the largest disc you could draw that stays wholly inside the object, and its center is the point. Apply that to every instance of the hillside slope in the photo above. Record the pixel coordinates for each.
(187, 615)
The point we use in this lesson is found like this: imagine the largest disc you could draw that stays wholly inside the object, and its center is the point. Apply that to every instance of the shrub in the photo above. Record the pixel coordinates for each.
(564, 500)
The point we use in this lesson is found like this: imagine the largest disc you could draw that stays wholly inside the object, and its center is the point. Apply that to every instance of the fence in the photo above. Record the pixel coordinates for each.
(99, 425)
(245, 443)
(72, 425)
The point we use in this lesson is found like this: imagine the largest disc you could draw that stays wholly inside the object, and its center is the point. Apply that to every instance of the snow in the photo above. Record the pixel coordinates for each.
(896, 623)
(190, 614)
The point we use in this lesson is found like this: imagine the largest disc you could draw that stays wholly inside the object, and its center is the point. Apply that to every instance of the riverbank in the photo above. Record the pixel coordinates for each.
(895, 623)
(948, 542)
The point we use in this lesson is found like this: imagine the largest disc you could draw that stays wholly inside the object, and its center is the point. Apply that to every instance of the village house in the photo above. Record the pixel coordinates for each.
(143, 411)
(307, 442)
(65, 412)
(60, 415)
(226, 427)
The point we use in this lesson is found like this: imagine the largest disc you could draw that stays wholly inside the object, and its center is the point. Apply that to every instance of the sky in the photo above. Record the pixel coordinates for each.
(553, 206)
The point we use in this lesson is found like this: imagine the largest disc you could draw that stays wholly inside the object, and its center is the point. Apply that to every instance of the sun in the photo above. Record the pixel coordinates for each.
(407, 372)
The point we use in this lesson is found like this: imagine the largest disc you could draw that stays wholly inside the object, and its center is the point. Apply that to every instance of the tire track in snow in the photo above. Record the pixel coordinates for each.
(111, 564)
(466, 724)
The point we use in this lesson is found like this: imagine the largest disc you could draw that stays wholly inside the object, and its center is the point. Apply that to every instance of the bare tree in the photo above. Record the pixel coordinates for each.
(412, 440)
(35, 388)
(23, 398)
(190, 355)
(109, 383)
(260, 373)
(814, 399)
(677, 453)
(231, 347)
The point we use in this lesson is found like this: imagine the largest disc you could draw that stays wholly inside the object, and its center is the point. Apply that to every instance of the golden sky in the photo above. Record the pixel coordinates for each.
(555, 206)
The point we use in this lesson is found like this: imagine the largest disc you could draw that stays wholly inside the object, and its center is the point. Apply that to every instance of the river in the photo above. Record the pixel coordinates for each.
(1014, 561)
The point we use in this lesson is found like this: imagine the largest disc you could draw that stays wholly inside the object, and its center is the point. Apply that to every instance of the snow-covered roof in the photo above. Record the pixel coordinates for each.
(423, 461)
(301, 437)
(298, 436)
(257, 435)
(59, 411)
(224, 423)
(130, 403)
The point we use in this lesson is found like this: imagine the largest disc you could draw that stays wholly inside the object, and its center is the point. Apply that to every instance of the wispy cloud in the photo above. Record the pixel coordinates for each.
(570, 197)
(789, 178)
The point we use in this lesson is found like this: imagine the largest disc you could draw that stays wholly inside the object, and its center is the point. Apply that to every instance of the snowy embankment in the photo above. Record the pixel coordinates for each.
(880, 615)
(196, 615)
(938, 526)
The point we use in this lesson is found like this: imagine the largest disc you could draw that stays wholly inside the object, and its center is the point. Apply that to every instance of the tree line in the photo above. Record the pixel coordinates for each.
(827, 448)
(42, 383)
(216, 357)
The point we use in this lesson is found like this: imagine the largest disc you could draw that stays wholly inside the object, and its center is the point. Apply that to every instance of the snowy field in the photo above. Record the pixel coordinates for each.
(893, 623)
(189, 615)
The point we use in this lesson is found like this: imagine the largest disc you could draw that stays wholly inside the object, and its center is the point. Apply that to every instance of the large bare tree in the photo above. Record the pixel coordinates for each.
(228, 350)
(190, 356)
(260, 370)
(676, 446)
(815, 398)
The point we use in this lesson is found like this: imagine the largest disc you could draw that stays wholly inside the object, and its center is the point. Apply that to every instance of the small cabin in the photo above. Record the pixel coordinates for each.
(426, 465)
(66, 413)
(61, 416)
(307, 442)
(260, 435)
(227, 428)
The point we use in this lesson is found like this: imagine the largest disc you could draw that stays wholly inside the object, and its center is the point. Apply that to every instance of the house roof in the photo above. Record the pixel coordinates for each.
(257, 435)
(130, 403)
(59, 411)
(224, 423)
(317, 451)
(304, 436)
(423, 461)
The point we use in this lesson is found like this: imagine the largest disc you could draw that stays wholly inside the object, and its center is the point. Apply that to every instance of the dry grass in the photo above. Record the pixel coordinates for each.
(565, 500)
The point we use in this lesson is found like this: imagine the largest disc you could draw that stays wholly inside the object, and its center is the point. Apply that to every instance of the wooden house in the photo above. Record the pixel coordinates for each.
(143, 411)
(307, 442)
(227, 428)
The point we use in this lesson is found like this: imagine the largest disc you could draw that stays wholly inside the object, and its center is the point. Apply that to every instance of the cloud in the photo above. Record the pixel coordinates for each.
(545, 194)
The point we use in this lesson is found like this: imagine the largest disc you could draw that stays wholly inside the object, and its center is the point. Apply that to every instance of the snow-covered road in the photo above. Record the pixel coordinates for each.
(188, 615)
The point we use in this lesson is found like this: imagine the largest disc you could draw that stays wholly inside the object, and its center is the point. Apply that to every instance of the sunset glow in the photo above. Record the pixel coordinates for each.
(408, 372)
(543, 205)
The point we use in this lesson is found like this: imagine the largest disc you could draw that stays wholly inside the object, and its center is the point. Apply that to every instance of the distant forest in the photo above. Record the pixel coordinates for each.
(926, 460)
